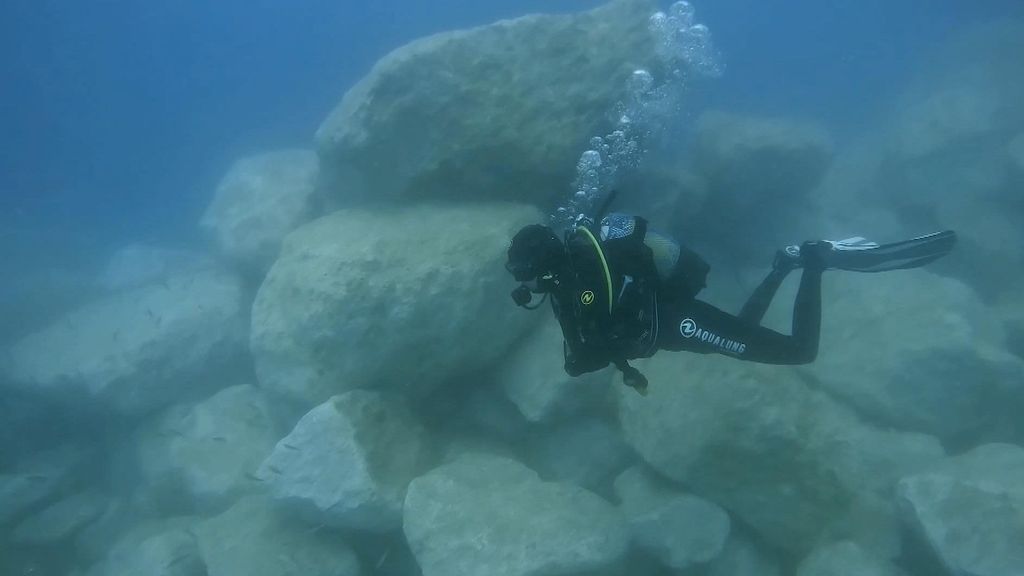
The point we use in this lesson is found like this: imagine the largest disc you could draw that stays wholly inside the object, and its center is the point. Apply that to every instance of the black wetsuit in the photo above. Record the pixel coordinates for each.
(652, 311)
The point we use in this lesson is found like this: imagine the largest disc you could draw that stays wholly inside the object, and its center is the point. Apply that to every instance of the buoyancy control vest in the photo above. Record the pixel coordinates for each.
(620, 271)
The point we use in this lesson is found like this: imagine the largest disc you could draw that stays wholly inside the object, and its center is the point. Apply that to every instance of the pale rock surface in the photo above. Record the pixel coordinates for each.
(750, 163)
(945, 154)
(348, 462)
(164, 548)
(259, 201)
(206, 456)
(492, 515)
(916, 351)
(138, 350)
(678, 529)
(970, 510)
(740, 557)
(534, 379)
(405, 299)
(138, 265)
(253, 539)
(845, 559)
(37, 479)
(497, 112)
(61, 520)
(790, 462)
(587, 452)
(944, 119)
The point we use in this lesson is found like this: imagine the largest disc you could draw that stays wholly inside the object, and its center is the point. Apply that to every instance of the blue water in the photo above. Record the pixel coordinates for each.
(121, 116)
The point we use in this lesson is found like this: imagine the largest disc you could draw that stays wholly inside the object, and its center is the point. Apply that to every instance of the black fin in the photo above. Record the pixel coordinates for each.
(860, 255)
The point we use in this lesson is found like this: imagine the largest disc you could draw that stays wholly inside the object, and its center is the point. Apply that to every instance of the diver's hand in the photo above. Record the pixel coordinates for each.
(633, 378)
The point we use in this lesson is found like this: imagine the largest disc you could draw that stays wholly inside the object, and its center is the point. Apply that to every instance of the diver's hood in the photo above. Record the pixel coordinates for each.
(535, 250)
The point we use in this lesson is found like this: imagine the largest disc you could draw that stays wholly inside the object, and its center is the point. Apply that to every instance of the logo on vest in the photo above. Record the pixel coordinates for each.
(587, 298)
(688, 329)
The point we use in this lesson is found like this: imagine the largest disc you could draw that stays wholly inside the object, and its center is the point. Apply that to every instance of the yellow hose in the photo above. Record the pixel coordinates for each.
(604, 264)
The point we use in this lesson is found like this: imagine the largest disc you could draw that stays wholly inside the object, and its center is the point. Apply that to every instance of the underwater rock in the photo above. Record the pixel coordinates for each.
(35, 293)
(348, 462)
(969, 92)
(259, 201)
(789, 461)
(845, 559)
(945, 119)
(482, 410)
(162, 548)
(751, 163)
(968, 509)
(918, 352)
(252, 539)
(38, 479)
(205, 456)
(61, 520)
(139, 265)
(136, 351)
(120, 517)
(678, 529)
(496, 112)
(491, 515)
(740, 557)
(405, 298)
(945, 162)
(588, 452)
(534, 380)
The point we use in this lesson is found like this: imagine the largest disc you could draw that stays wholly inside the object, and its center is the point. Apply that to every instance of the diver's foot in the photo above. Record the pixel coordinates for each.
(787, 259)
(811, 255)
(814, 255)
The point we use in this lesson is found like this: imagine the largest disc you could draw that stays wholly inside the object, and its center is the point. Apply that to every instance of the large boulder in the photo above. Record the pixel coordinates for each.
(62, 520)
(500, 112)
(139, 265)
(165, 548)
(845, 559)
(587, 452)
(969, 510)
(348, 462)
(253, 539)
(792, 463)
(491, 515)
(741, 557)
(38, 479)
(259, 201)
(534, 380)
(206, 456)
(136, 351)
(750, 163)
(918, 352)
(945, 162)
(678, 529)
(397, 298)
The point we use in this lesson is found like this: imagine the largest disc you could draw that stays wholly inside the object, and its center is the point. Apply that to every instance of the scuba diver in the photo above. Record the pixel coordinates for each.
(621, 291)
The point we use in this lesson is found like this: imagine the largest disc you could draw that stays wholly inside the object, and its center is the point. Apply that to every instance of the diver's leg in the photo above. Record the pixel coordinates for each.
(756, 306)
(697, 326)
(807, 315)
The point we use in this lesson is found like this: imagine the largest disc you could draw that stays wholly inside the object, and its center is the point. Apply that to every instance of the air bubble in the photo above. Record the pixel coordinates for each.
(685, 51)
(682, 12)
(641, 82)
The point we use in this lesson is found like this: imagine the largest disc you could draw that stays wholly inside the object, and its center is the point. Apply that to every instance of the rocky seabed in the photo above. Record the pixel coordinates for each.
(341, 386)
